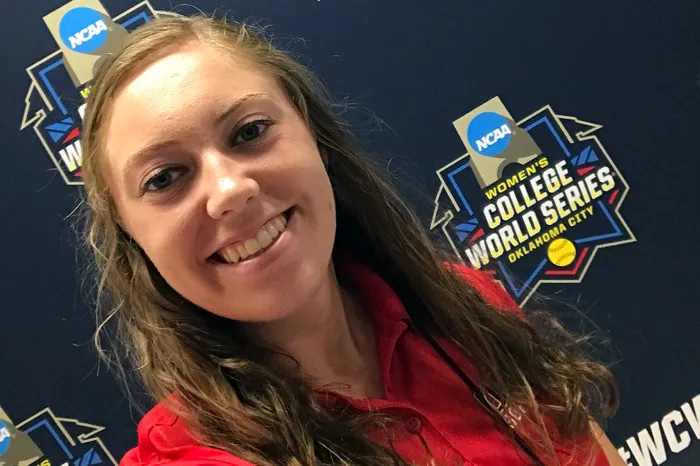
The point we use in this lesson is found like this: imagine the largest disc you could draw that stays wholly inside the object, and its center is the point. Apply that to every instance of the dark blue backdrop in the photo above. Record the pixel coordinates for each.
(412, 68)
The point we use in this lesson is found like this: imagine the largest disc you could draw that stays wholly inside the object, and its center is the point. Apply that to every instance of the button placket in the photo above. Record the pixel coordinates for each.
(414, 425)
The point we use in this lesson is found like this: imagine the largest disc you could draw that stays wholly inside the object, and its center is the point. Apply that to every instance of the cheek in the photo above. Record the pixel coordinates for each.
(319, 191)
(305, 182)
(331, 204)
(323, 201)
(168, 239)
(300, 174)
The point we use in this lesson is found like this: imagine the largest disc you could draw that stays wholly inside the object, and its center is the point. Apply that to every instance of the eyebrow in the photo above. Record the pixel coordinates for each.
(135, 157)
(236, 104)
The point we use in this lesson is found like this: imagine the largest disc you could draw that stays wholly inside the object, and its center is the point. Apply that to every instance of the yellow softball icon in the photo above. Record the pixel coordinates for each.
(561, 252)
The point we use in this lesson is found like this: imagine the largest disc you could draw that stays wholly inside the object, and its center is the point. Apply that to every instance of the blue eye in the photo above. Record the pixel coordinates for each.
(163, 179)
(250, 131)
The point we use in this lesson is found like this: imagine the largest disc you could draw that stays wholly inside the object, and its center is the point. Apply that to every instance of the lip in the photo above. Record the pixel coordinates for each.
(248, 233)
(248, 268)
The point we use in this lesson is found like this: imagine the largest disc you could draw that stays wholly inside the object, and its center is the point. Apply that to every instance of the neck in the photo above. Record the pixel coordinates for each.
(331, 340)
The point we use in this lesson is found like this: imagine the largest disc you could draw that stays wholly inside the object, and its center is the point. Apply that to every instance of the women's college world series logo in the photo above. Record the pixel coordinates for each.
(60, 82)
(47, 440)
(528, 203)
(16, 447)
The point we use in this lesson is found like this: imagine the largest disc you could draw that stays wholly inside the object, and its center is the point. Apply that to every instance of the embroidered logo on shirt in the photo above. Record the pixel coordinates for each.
(512, 415)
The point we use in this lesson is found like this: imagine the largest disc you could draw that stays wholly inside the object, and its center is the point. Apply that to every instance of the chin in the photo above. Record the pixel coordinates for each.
(263, 307)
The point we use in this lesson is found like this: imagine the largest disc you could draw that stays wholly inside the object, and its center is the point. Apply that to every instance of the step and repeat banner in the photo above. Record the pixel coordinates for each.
(552, 144)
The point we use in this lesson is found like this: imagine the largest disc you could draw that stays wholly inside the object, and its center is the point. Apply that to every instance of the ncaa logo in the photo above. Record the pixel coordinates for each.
(4, 438)
(83, 30)
(489, 134)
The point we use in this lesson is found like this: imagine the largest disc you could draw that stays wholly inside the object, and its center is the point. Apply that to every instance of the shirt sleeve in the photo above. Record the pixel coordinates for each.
(189, 456)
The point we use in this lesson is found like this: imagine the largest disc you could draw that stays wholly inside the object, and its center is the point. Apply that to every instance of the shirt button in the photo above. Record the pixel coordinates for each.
(414, 425)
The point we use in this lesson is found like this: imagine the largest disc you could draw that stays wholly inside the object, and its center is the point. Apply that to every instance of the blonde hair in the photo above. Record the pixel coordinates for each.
(228, 389)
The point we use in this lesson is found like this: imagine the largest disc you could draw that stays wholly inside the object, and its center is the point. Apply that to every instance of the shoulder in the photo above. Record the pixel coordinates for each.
(491, 291)
(163, 438)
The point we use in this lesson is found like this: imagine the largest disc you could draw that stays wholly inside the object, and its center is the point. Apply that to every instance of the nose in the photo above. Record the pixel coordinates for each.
(230, 189)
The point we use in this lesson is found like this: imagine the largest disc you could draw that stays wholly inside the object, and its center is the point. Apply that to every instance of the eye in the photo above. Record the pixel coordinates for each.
(250, 132)
(163, 179)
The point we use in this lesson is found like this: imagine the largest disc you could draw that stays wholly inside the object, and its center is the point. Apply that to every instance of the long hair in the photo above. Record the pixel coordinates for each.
(228, 389)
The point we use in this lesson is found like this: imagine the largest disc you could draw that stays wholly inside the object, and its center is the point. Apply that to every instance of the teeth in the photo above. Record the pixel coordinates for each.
(242, 251)
(271, 230)
(263, 239)
(252, 246)
(231, 255)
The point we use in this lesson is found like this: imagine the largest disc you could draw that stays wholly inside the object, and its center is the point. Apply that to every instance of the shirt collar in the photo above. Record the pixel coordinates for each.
(390, 321)
(375, 294)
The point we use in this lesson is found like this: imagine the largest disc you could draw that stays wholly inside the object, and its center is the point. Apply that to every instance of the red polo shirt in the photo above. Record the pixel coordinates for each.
(435, 408)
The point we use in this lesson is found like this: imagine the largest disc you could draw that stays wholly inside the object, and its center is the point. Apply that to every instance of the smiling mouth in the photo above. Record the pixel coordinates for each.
(255, 246)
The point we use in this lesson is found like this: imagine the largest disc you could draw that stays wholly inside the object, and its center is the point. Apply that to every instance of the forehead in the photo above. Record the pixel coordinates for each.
(190, 77)
(180, 93)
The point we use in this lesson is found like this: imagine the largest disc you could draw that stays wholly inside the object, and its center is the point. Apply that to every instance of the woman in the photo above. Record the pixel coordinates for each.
(277, 297)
